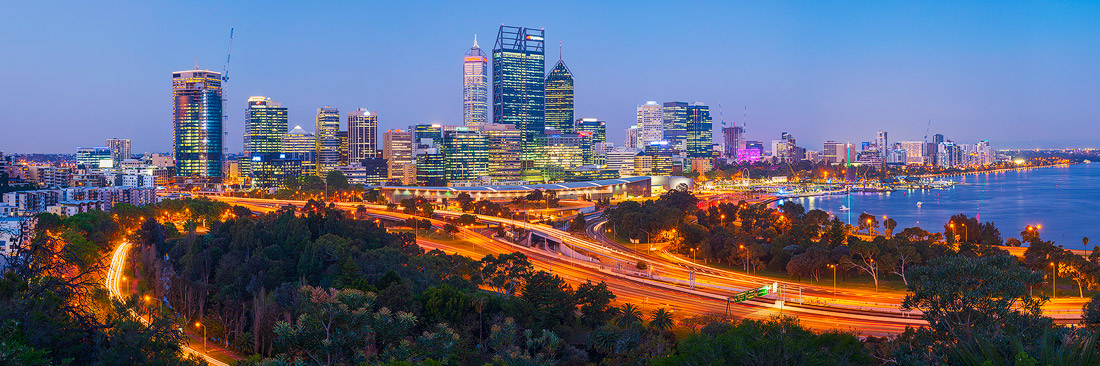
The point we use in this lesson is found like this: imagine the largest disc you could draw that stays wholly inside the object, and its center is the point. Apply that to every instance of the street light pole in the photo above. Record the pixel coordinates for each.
(200, 325)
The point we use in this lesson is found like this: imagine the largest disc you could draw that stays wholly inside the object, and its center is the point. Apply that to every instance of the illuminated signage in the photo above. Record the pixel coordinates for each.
(755, 293)
(534, 38)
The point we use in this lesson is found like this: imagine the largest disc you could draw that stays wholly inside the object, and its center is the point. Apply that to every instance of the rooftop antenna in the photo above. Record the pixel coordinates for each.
(475, 41)
(196, 61)
(559, 50)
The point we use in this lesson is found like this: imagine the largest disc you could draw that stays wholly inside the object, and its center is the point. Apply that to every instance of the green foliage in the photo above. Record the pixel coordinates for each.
(776, 341)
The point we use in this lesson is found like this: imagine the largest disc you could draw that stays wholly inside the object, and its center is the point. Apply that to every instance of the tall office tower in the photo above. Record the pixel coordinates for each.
(362, 135)
(660, 157)
(519, 84)
(674, 123)
(882, 143)
(475, 87)
(504, 151)
(465, 154)
(633, 137)
(301, 145)
(733, 138)
(595, 127)
(397, 150)
(327, 147)
(699, 132)
(197, 125)
(937, 138)
(650, 123)
(345, 147)
(427, 143)
(120, 149)
(559, 98)
(265, 123)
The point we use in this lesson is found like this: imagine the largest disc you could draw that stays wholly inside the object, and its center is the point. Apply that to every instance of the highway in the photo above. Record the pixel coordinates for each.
(666, 283)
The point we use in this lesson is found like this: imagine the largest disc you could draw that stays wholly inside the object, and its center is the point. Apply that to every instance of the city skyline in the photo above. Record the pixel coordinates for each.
(928, 66)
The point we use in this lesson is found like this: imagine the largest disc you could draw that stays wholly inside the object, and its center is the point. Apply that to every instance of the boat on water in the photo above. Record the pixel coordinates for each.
(941, 184)
(844, 208)
(919, 204)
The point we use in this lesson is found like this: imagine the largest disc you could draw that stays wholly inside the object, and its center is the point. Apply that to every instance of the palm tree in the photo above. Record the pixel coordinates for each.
(661, 320)
(628, 314)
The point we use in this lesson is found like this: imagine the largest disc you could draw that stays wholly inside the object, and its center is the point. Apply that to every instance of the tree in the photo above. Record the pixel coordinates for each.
(466, 219)
(1090, 312)
(594, 301)
(335, 180)
(551, 298)
(450, 229)
(465, 202)
(965, 299)
(628, 314)
(661, 320)
(505, 272)
(868, 222)
(862, 256)
(775, 341)
(901, 255)
(577, 224)
(890, 225)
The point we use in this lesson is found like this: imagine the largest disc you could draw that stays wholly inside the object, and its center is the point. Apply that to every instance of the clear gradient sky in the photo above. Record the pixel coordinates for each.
(1021, 74)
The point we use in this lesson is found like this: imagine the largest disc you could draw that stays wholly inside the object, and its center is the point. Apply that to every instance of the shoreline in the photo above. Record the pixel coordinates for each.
(956, 174)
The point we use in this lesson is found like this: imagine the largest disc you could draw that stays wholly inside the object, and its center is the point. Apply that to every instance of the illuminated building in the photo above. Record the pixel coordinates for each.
(368, 171)
(559, 98)
(504, 151)
(733, 138)
(519, 84)
(674, 123)
(660, 158)
(94, 157)
(197, 126)
(429, 169)
(397, 150)
(301, 145)
(465, 154)
(271, 169)
(622, 160)
(699, 130)
(345, 147)
(475, 87)
(120, 149)
(566, 150)
(362, 135)
(633, 137)
(650, 124)
(327, 147)
(265, 123)
(595, 127)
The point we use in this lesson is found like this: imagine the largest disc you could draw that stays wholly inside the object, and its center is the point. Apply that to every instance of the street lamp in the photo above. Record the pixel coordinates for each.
(199, 325)
(1054, 280)
(833, 266)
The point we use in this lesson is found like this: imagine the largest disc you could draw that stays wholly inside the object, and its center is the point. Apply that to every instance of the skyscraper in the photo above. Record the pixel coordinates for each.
(362, 135)
(882, 144)
(197, 125)
(650, 123)
(699, 132)
(733, 138)
(265, 123)
(559, 98)
(327, 156)
(519, 83)
(475, 87)
(633, 137)
(397, 150)
(120, 149)
(674, 122)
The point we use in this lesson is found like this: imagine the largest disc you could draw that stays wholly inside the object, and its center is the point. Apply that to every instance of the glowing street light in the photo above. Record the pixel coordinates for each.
(199, 325)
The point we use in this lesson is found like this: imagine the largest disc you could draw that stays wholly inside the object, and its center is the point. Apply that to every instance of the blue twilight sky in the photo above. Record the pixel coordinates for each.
(1021, 74)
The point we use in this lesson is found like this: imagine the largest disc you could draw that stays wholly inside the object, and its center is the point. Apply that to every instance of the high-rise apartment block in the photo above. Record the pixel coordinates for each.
(397, 150)
(197, 126)
(650, 123)
(362, 135)
(475, 87)
(120, 149)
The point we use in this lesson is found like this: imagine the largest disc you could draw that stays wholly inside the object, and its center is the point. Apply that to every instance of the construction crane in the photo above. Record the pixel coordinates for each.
(926, 129)
(225, 68)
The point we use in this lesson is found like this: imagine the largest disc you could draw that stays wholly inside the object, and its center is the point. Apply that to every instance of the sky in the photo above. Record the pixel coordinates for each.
(1020, 74)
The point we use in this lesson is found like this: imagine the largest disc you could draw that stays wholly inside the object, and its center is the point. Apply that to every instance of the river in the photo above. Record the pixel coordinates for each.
(1061, 199)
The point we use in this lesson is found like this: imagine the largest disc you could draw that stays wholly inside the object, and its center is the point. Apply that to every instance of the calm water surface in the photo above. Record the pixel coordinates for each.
(1064, 200)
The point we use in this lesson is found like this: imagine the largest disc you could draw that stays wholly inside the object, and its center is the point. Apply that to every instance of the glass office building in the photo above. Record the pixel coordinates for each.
(699, 137)
(465, 153)
(327, 145)
(559, 99)
(197, 125)
(675, 124)
(519, 82)
(475, 87)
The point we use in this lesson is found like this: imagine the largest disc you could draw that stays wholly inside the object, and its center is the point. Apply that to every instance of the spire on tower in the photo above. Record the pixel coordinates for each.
(559, 50)
(475, 41)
